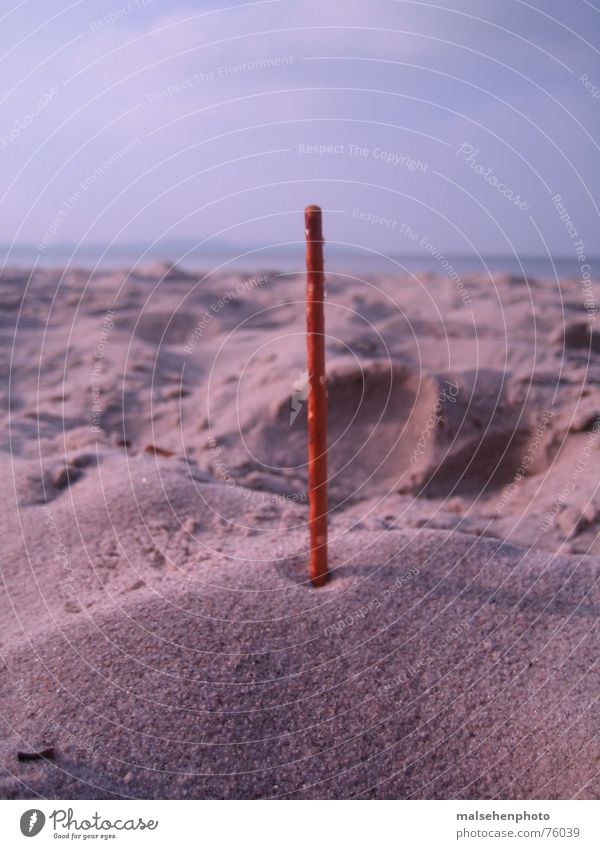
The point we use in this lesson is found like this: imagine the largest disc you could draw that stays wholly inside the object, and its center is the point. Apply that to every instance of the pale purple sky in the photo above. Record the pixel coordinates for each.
(135, 121)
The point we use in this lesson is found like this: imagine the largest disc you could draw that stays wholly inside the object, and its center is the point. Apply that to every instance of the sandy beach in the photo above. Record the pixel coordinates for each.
(159, 636)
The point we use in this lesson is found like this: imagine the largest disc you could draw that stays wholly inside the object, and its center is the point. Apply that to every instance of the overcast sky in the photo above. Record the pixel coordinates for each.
(199, 120)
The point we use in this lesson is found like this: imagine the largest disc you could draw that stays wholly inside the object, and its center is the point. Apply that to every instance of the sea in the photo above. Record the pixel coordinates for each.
(291, 259)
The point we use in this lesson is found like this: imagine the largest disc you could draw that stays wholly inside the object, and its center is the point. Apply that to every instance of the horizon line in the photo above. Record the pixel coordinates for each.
(59, 247)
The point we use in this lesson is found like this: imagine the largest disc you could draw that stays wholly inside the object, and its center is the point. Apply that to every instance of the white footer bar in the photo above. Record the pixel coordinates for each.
(302, 824)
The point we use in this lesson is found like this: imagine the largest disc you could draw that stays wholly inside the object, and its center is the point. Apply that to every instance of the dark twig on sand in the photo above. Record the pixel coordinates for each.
(42, 754)
(317, 396)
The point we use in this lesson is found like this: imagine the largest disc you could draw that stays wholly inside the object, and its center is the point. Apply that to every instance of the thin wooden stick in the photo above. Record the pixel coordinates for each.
(317, 396)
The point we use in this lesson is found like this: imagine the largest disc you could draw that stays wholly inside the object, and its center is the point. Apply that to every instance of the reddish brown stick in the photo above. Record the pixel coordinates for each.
(317, 396)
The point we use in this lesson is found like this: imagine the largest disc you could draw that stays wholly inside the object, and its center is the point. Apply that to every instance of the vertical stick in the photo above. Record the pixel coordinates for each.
(317, 396)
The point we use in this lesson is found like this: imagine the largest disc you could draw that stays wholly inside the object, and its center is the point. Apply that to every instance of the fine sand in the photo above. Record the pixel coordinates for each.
(159, 637)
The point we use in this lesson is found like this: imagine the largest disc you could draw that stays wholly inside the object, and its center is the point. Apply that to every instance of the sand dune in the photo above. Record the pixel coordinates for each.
(158, 629)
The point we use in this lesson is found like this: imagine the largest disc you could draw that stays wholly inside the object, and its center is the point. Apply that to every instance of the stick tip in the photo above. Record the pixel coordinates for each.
(312, 220)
